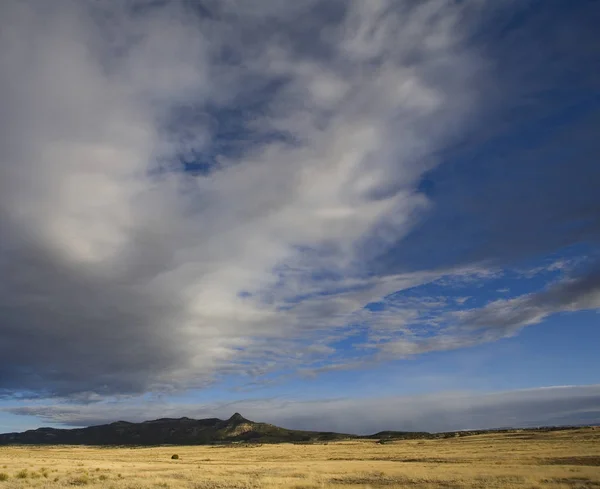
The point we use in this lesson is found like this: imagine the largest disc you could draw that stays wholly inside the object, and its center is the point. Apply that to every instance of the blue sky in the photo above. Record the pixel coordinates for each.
(358, 216)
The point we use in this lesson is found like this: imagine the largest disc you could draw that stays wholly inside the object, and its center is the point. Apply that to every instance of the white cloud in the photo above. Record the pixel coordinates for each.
(125, 276)
(501, 318)
(144, 279)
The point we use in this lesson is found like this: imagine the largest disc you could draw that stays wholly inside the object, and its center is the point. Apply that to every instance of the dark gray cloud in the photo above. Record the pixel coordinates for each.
(436, 412)
(60, 333)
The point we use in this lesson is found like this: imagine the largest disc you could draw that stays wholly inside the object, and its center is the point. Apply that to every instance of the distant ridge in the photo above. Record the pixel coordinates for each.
(169, 431)
(187, 431)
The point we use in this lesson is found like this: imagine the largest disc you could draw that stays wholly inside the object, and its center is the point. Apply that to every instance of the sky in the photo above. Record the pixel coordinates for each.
(353, 215)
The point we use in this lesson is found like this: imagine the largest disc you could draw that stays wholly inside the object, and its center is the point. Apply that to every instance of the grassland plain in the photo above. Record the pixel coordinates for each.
(567, 459)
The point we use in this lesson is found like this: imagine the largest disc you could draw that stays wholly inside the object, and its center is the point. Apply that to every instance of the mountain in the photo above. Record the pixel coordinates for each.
(186, 431)
(166, 431)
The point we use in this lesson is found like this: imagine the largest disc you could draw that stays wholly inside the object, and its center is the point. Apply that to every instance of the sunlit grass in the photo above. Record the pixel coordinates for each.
(567, 459)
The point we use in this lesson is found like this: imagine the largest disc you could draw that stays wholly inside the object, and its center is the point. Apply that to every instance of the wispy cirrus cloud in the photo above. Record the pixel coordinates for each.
(449, 329)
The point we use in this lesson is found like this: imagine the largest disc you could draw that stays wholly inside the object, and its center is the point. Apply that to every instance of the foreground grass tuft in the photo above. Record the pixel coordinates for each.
(80, 480)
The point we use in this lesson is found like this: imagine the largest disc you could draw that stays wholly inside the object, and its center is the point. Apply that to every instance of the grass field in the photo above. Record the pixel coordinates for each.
(567, 459)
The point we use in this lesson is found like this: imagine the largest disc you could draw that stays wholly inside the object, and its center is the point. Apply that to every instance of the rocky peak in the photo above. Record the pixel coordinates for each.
(238, 418)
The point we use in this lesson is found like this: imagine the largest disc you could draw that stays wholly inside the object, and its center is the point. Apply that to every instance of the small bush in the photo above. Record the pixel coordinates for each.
(22, 474)
(175, 457)
(103, 477)
(3, 476)
(80, 480)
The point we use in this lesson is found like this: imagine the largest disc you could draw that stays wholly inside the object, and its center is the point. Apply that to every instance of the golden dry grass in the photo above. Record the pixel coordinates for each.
(567, 459)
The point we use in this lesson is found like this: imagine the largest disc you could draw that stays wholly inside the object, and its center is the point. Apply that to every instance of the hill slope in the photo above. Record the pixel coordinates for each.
(186, 431)
(182, 431)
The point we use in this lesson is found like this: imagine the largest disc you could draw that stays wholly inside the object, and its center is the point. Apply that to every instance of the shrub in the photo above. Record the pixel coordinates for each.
(3, 476)
(80, 480)
(175, 457)
(22, 474)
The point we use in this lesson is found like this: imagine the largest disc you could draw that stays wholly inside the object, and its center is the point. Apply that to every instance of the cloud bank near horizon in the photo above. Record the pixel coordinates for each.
(548, 406)
(191, 192)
